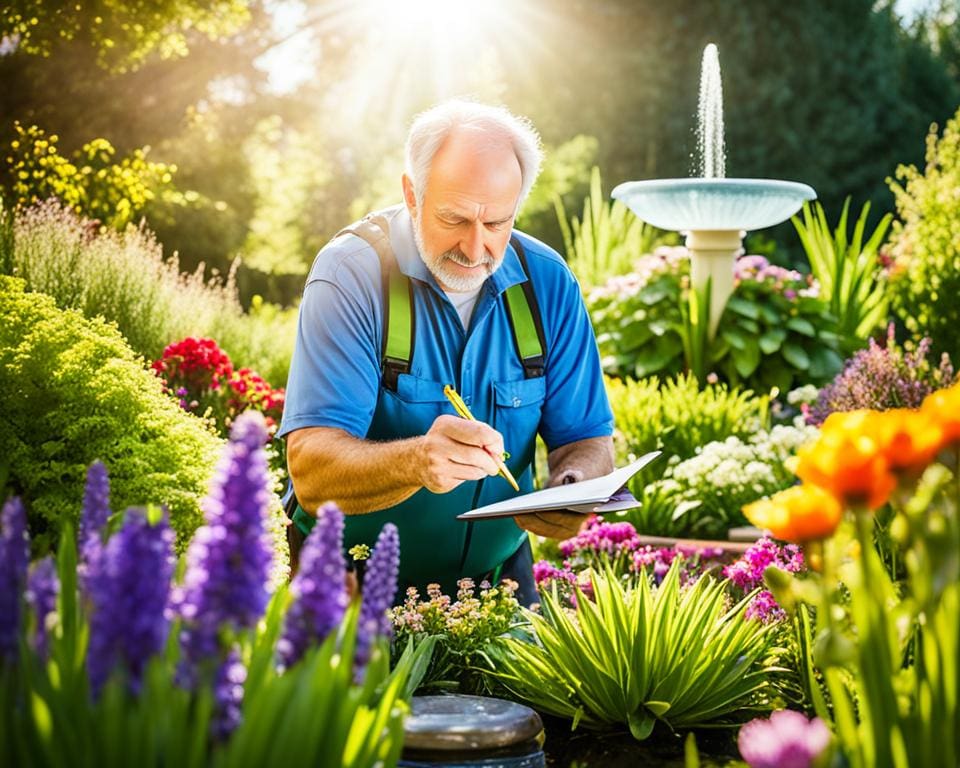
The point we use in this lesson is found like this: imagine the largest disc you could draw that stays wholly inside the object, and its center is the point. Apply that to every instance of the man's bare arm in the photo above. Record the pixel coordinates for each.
(573, 462)
(328, 464)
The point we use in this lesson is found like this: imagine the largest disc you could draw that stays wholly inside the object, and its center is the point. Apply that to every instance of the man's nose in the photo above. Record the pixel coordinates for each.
(473, 245)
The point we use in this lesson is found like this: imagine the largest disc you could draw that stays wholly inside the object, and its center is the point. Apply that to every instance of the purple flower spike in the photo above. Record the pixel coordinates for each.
(93, 519)
(229, 558)
(786, 740)
(379, 589)
(14, 557)
(128, 592)
(319, 588)
(43, 587)
(228, 696)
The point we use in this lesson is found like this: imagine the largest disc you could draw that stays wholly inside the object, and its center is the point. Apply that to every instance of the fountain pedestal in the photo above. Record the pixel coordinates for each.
(713, 253)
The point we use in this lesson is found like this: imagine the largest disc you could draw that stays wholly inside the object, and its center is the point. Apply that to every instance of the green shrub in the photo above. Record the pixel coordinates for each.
(72, 392)
(774, 332)
(925, 244)
(124, 278)
(677, 417)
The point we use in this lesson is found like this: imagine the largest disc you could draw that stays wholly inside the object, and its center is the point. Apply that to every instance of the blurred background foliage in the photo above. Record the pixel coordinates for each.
(280, 121)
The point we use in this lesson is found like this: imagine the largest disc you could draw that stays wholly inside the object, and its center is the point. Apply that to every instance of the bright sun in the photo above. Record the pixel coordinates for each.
(412, 52)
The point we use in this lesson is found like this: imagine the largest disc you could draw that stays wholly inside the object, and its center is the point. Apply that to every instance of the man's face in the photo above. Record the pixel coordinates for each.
(463, 227)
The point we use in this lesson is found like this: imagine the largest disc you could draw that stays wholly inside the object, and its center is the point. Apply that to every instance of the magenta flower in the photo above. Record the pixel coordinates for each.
(786, 740)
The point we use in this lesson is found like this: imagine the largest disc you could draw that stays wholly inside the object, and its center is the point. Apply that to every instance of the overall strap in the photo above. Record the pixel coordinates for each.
(525, 320)
(398, 317)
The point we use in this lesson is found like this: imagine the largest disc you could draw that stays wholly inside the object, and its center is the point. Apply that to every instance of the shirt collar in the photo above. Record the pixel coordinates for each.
(510, 272)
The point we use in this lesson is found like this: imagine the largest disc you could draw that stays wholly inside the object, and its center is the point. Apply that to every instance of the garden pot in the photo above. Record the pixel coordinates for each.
(459, 731)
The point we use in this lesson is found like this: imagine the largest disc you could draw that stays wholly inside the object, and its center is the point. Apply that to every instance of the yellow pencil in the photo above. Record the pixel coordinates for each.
(461, 408)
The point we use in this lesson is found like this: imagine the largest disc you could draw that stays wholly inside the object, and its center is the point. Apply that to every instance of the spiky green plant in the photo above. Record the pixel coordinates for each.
(850, 277)
(637, 655)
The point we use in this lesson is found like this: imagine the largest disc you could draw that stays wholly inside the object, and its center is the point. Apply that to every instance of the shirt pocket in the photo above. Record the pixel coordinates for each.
(517, 409)
(411, 410)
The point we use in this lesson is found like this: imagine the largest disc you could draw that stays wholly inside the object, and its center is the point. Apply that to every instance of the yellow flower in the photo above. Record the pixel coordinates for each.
(802, 513)
(943, 407)
(847, 461)
(909, 440)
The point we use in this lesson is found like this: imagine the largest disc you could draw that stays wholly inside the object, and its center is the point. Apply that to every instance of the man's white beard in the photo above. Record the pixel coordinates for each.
(437, 264)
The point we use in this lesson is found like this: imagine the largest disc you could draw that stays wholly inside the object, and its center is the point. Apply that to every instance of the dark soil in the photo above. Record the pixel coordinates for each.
(618, 749)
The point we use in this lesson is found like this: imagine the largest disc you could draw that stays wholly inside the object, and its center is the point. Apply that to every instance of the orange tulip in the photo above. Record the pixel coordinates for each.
(943, 407)
(909, 440)
(801, 513)
(846, 460)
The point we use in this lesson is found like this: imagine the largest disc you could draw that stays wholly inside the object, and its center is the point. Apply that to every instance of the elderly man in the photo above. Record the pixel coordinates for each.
(441, 290)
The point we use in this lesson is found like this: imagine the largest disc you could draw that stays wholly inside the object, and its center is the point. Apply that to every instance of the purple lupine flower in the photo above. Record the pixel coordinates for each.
(228, 696)
(319, 588)
(93, 519)
(129, 590)
(229, 558)
(14, 557)
(786, 740)
(43, 587)
(379, 589)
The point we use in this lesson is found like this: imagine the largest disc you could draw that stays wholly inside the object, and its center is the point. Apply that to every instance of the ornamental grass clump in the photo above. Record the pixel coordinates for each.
(640, 654)
(883, 377)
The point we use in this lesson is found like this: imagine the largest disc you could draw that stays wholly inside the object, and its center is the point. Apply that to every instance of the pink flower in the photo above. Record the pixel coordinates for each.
(786, 740)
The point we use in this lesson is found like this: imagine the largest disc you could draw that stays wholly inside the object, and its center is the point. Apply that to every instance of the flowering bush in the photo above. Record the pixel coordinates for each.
(747, 574)
(207, 670)
(887, 651)
(775, 330)
(702, 496)
(465, 630)
(883, 377)
(202, 376)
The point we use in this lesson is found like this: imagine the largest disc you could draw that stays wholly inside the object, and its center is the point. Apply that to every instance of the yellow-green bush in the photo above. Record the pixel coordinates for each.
(72, 392)
(925, 282)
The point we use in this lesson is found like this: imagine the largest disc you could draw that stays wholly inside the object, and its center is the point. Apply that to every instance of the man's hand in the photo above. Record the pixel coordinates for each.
(553, 525)
(455, 450)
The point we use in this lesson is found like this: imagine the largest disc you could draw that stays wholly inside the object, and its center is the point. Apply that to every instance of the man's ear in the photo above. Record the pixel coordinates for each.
(409, 197)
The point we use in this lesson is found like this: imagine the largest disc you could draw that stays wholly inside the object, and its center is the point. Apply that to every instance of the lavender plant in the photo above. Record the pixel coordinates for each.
(883, 377)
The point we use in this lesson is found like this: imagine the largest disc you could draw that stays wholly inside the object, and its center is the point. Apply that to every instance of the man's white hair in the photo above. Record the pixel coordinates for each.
(430, 130)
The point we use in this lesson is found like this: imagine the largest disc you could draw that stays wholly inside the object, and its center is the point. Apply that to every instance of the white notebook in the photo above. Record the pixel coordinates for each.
(601, 494)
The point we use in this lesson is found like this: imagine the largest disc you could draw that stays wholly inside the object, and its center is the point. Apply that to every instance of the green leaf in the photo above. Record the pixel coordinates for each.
(747, 359)
(825, 363)
(641, 724)
(734, 337)
(794, 354)
(743, 307)
(771, 340)
(801, 325)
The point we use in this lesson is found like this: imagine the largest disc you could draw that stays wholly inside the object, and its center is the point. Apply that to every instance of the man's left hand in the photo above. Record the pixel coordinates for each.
(553, 525)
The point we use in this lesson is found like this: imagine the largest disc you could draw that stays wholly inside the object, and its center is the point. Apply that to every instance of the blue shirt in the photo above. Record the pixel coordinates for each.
(335, 382)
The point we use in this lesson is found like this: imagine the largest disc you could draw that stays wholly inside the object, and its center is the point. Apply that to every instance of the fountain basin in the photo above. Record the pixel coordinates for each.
(713, 204)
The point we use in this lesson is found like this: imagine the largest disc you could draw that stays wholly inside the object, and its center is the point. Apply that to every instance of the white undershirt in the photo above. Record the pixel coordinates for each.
(464, 304)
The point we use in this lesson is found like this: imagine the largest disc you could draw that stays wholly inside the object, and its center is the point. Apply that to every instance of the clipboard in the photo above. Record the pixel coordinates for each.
(598, 495)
